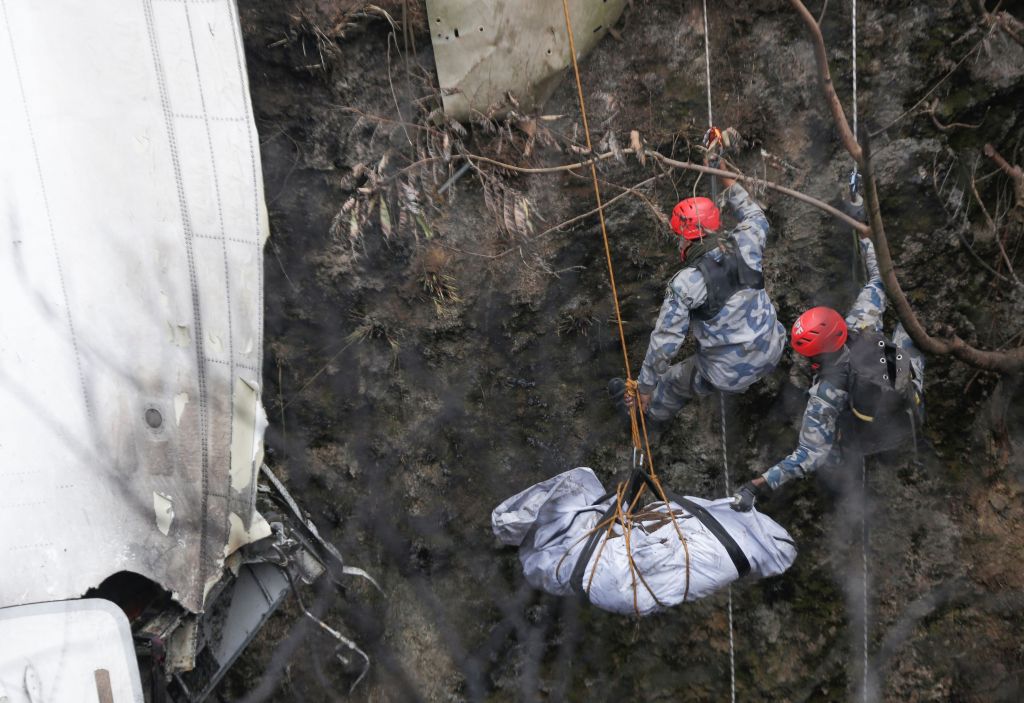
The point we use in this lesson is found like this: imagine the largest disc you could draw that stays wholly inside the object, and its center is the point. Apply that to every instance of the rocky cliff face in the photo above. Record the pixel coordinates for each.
(429, 358)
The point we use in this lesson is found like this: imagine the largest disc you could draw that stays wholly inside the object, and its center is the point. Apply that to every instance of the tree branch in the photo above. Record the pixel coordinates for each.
(661, 158)
(846, 135)
(1003, 361)
(945, 128)
(1012, 26)
(1014, 172)
(754, 180)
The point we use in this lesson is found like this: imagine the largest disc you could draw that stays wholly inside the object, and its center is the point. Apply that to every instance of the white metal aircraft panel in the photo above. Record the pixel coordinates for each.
(132, 223)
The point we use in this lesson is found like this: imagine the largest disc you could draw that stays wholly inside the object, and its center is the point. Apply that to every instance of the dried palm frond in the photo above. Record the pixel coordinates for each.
(370, 327)
(511, 209)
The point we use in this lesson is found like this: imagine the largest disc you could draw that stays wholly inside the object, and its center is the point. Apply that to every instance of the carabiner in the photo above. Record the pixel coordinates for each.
(712, 138)
(855, 184)
(638, 458)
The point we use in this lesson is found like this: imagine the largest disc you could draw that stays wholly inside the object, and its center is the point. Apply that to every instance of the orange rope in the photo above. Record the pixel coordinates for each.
(630, 384)
(637, 429)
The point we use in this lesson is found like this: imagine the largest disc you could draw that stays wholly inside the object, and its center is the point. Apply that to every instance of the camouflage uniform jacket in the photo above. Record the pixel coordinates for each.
(744, 341)
(827, 401)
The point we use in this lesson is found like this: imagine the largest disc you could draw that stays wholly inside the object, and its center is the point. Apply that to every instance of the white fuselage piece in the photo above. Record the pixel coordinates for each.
(132, 223)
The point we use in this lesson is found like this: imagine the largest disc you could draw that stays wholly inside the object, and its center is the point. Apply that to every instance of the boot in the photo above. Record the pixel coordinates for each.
(617, 392)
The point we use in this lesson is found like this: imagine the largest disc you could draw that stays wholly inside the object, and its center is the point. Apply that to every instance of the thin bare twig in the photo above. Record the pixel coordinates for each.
(821, 16)
(755, 181)
(1002, 19)
(934, 87)
(1017, 176)
(981, 204)
(952, 125)
(560, 225)
(1014, 172)
(651, 205)
(394, 96)
(661, 158)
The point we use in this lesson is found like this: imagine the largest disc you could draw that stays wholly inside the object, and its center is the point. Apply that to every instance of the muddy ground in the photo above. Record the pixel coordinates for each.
(422, 370)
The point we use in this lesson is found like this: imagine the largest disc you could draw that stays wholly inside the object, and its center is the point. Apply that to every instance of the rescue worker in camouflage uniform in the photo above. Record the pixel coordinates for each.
(821, 334)
(719, 295)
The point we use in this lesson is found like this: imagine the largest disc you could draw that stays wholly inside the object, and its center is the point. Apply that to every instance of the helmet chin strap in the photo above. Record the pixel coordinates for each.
(685, 248)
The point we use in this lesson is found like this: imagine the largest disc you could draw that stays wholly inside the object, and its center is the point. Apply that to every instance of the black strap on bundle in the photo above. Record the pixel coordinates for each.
(638, 478)
(739, 559)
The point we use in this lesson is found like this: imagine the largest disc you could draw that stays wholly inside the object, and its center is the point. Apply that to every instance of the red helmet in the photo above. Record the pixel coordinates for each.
(693, 217)
(818, 331)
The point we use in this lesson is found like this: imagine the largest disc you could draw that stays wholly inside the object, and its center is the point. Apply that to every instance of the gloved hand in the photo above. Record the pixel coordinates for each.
(644, 398)
(746, 496)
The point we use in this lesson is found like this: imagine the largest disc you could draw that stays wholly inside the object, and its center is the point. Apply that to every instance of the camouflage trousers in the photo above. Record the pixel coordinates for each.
(680, 384)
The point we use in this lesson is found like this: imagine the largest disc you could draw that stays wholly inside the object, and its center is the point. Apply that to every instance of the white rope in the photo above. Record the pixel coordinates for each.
(707, 62)
(853, 26)
(725, 450)
(863, 460)
(864, 566)
(853, 44)
(728, 490)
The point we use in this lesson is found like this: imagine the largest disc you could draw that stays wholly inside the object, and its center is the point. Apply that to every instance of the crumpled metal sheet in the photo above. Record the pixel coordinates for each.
(487, 48)
(132, 225)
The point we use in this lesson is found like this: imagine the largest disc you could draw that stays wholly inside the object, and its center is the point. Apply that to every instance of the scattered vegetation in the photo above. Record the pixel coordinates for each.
(369, 327)
(576, 320)
(435, 279)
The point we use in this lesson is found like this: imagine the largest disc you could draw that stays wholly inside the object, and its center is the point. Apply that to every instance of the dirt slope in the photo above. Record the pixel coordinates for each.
(421, 372)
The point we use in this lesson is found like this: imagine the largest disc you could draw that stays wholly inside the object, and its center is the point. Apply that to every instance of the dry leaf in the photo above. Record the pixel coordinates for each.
(385, 216)
(637, 146)
(613, 146)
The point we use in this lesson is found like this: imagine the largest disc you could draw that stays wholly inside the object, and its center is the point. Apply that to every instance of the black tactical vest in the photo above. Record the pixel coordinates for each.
(723, 277)
(884, 407)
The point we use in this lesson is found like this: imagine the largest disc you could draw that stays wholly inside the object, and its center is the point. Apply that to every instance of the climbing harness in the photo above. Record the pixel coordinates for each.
(628, 493)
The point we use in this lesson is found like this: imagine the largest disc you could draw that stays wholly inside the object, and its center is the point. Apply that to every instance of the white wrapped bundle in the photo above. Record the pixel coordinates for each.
(551, 521)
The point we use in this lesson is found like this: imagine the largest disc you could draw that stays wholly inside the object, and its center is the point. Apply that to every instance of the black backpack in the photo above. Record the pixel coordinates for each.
(724, 277)
(885, 407)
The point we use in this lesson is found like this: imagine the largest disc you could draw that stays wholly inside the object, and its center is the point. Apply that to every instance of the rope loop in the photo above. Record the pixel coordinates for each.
(638, 425)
